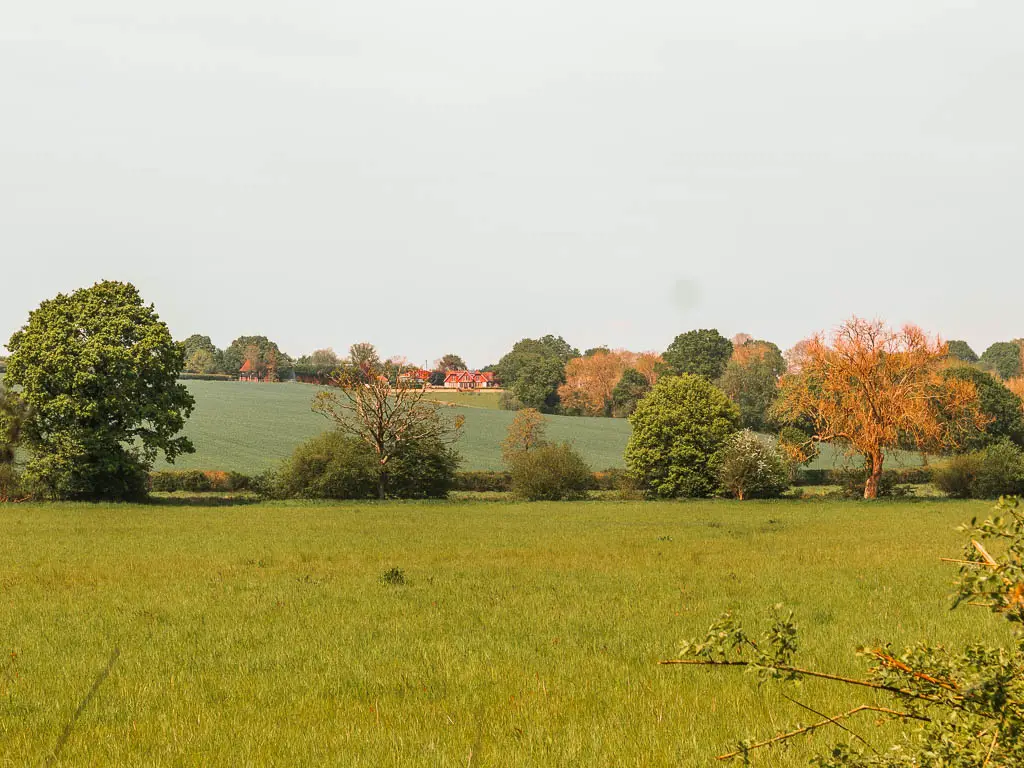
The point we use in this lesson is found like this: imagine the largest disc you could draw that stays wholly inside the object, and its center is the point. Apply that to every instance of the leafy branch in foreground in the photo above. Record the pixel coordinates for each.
(954, 709)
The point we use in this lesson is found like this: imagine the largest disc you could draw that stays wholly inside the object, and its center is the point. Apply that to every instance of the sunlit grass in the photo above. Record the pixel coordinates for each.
(525, 634)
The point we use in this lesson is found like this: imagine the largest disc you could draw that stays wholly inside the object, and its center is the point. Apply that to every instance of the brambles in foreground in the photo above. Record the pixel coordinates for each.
(954, 709)
(97, 370)
(679, 430)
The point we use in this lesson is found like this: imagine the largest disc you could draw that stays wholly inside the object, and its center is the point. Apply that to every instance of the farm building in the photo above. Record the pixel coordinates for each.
(248, 372)
(469, 380)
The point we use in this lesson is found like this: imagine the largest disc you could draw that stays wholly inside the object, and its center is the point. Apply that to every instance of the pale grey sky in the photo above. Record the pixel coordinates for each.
(452, 176)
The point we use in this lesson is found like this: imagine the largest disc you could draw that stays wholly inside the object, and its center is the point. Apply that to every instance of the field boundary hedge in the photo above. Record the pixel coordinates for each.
(839, 476)
(207, 376)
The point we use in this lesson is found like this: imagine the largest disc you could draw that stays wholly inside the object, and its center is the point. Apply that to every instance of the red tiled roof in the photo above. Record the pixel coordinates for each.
(246, 367)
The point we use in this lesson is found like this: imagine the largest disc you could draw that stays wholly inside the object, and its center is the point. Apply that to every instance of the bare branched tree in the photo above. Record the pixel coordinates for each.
(389, 418)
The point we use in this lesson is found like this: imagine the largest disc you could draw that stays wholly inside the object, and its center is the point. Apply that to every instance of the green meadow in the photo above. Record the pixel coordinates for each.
(524, 634)
(251, 427)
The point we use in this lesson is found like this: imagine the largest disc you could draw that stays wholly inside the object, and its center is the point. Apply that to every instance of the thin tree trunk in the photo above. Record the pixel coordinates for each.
(382, 484)
(871, 487)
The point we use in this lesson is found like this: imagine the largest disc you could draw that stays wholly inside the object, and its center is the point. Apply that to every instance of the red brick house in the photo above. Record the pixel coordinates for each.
(469, 380)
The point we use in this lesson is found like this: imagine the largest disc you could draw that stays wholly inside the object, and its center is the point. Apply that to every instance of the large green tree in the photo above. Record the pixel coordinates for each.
(97, 369)
(679, 430)
(751, 380)
(703, 352)
(534, 368)
(1003, 358)
(1000, 407)
(961, 350)
(268, 357)
(629, 390)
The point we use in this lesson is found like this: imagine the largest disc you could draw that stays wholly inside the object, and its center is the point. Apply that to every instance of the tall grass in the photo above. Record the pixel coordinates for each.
(523, 635)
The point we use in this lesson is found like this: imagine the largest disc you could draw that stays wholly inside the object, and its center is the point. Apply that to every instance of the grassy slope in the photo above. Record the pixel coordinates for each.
(251, 427)
(527, 636)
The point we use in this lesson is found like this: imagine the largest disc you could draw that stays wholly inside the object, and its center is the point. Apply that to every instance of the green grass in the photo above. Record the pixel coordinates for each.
(526, 635)
(251, 427)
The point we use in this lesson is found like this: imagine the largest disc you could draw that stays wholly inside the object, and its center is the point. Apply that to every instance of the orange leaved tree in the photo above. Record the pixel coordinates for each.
(872, 388)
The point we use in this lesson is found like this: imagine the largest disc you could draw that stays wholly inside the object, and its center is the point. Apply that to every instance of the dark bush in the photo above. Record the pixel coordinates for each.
(207, 376)
(955, 477)
(613, 480)
(483, 481)
(337, 466)
(197, 481)
(550, 472)
(1000, 472)
(996, 471)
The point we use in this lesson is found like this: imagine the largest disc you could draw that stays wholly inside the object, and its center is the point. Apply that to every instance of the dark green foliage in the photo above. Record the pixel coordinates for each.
(550, 472)
(997, 403)
(753, 385)
(394, 577)
(437, 378)
(268, 353)
(534, 368)
(1003, 358)
(338, 466)
(98, 369)
(705, 353)
(198, 481)
(632, 387)
(678, 431)
(451, 362)
(482, 481)
(751, 467)
(851, 483)
(594, 350)
(537, 383)
(207, 377)
(961, 350)
(995, 471)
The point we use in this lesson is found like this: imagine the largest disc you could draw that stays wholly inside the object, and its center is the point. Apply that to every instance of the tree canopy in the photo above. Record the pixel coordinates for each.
(961, 350)
(534, 369)
(97, 370)
(266, 357)
(871, 388)
(1003, 358)
(678, 431)
(751, 380)
(450, 362)
(1001, 408)
(703, 352)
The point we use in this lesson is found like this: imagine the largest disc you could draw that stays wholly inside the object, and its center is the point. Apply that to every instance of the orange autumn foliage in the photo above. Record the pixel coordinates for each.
(1017, 386)
(589, 381)
(872, 388)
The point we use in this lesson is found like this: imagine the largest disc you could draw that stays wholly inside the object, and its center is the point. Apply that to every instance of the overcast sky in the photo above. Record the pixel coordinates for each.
(450, 176)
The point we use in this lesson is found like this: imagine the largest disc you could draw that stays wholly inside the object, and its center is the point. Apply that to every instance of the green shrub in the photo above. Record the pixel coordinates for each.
(996, 471)
(206, 376)
(1000, 472)
(956, 476)
(338, 466)
(330, 466)
(550, 472)
(679, 428)
(198, 481)
(749, 467)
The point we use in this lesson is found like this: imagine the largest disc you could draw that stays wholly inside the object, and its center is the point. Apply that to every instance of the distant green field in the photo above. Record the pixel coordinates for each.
(527, 635)
(252, 427)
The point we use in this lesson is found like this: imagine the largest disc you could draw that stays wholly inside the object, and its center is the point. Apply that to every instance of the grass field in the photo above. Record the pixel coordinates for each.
(526, 635)
(250, 427)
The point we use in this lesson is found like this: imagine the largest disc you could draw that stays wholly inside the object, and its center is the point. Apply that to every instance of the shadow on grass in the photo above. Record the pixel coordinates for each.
(201, 500)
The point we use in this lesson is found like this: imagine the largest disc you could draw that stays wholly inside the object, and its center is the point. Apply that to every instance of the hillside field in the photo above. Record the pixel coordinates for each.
(525, 634)
(251, 427)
